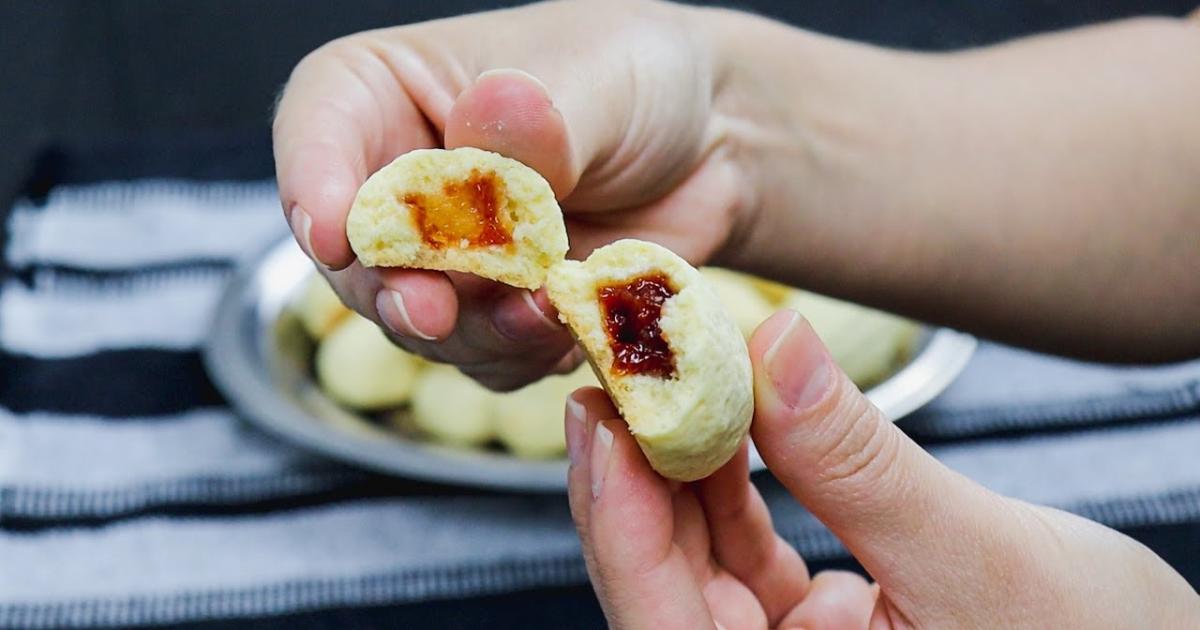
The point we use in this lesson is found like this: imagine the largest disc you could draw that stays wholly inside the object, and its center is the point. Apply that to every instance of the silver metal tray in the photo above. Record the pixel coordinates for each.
(258, 356)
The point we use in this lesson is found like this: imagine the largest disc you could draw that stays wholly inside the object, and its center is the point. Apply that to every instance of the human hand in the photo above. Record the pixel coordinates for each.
(618, 119)
(945, 551)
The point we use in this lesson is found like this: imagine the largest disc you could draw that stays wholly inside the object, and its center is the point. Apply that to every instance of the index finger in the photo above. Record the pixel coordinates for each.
(343, 114)
(623, 510)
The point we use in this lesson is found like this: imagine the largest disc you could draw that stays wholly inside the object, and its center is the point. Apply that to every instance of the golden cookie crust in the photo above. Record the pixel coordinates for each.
(688, 425)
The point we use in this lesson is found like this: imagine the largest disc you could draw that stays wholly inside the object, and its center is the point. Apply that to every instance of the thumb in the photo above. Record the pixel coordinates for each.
(907, 518)
(510, 112)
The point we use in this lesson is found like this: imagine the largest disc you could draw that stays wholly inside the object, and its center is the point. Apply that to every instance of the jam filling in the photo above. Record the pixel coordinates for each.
(631, 318)
(466, 214)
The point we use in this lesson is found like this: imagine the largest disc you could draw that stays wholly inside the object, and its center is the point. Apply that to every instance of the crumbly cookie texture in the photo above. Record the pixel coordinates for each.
(687, 424)
(459, 210)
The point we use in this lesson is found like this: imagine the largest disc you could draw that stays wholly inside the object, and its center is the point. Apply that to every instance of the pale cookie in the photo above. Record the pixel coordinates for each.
(529, 421)
(774, 292)
(460, 210)
(319, 308)
(668, 353)
(451, 408)
(738, 293)
(867, 344)
(358, 367)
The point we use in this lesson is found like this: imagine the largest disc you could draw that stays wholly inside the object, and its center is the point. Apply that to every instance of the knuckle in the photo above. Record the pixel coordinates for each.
(579, 510)
(345, 290)
(347, 51)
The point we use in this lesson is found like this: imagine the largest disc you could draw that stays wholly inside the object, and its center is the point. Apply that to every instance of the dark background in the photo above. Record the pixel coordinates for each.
(83, 71)
(76, 75)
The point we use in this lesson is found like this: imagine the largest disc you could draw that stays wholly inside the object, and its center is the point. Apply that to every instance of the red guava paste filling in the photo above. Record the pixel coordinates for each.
(631, 318)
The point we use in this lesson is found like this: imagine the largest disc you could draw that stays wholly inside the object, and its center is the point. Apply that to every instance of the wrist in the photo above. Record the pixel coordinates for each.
(808, 119)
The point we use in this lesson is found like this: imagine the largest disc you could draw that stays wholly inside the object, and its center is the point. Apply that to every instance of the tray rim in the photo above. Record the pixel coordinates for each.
(235, 359)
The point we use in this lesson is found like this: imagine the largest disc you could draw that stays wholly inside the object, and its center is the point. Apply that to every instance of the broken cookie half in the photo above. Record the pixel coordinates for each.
(655, 332)
(459, 210)
(666, 351)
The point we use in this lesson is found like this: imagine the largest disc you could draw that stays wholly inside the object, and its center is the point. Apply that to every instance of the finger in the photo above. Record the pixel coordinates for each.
(733, 604)
(569, 122)
(710, 196)
(521, 317)
(900, 512)
(625, 515)
(744, 541)
(498, 335)
(589, 405)
(357, 287)
(729, 599)
(690, 532)
(342, 115)
(569, 362)
(509, 111)
(411, 304)
(510, 337)
(836, 600)
(584, 408)
(419, 311)
(417, 304)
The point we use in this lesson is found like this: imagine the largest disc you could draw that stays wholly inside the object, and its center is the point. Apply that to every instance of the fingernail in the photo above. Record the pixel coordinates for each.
(301, 225)
(602, 440)
(394, 314)
(513, 72)
(576, 429)
(517, 316)
(797, 365)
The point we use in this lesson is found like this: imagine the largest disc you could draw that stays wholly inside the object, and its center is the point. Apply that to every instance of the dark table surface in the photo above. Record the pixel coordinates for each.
(76, 73)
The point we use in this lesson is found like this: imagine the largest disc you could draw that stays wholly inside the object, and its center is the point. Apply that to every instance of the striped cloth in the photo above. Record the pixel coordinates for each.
(130, 494)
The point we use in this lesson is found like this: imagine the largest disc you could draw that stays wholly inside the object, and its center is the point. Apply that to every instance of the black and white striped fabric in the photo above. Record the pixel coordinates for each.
(130, 494)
